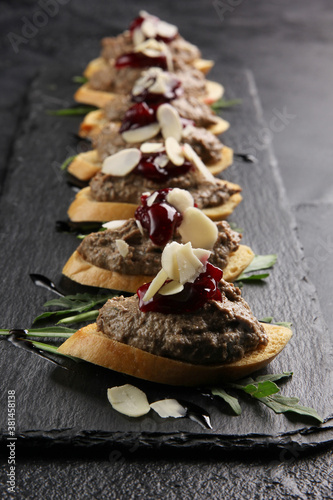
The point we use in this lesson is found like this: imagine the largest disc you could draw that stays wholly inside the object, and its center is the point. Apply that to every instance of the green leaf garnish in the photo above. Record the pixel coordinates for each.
(261, 262)
(52, 349)
(270, 319)
(78, 318)
(283, 404)
(67, 162)
(50, 331)
(78, 111)
(223, 103)
(79, 79)
(73, 303)
(253, 277)
(234, 227)
(264, 389)
(230, 400)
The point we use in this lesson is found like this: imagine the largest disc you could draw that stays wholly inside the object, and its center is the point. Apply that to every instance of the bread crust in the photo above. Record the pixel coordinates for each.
(86, 165)
(94, 121)
(203, 65)
(100, 98)
(85, 209)
(92, 345)
(81, 271)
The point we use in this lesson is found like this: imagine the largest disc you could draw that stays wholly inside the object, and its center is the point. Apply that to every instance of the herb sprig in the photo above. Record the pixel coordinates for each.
(264, 389)
(76, 111)
(223, 104)
(259, 263)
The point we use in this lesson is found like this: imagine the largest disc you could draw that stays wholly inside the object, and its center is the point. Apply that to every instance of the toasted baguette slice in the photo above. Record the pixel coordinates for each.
(86, 165)
(203, 65)
(81, 271)
(93, 346)
(100, 98)
(85, 209)
(94, 122)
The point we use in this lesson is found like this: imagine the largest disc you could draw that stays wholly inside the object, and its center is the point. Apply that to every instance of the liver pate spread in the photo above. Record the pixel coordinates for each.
(143, 256)
(128, 189)
(219, 332)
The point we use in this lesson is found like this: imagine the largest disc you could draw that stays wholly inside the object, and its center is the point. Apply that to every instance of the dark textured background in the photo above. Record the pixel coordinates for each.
(288, 47)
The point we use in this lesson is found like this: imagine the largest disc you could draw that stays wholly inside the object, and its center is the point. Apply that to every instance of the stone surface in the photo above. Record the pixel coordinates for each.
(290, 58)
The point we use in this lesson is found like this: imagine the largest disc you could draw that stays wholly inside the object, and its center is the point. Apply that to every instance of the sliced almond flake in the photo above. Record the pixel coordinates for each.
(151, 44)
(138, 223)
(138, 37)
(158, 87)
(169, 120)
(166, 408)
(121, 163)
(128, 400)
(192, 156)
(202, 254)
(151, 147)
(122, 247)
(166, 30)
(162, 161)
(169, 260)
(151, 199)
(174, 151)
(180, 199)
(151, 52)
(149, 28)
(144, 13)
(197, 228)
(171, 288)
(141, 134)
(155, 285)
(114, 224)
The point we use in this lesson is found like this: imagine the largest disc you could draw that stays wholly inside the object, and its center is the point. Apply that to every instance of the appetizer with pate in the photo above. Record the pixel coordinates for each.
(187, 327)
(128, 253)
(122, 64)
(115, 192)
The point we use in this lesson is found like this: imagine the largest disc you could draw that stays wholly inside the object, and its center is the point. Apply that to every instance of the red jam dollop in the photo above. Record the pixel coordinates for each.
(140, 60)
(149, 168)
(138, 115)
(160, 219)
(192, 297)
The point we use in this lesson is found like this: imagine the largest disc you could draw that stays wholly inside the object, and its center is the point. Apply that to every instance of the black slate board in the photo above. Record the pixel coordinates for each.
(57, 406)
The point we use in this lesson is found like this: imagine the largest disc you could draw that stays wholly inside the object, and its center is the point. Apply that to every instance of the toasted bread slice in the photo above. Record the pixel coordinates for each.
(203, 65)
(86, 165)
(94, 122)
(100, 98)
(92, 345)
(85, 273)
(85, 209)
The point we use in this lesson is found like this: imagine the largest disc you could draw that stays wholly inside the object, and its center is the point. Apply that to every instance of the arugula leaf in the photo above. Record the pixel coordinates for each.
(265, 390)
(81, 302)
(50, 331)
(283, 404)
(67, 162)
(261, 262)
(270, 319)
(234, 227)
(52, 349)
(223, 103)
(79, 79)
(262, 389)
(253, 277)
(78, 111)
(87, 316)
(230, 400)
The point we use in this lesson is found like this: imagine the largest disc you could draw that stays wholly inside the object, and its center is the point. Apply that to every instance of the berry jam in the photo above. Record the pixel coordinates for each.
(138, 115)
(149, 168)
(136, 23)
(160, 219)
(140, 60)
(192, 297)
